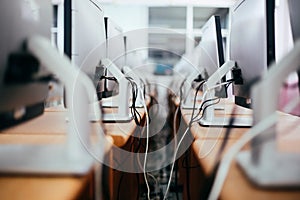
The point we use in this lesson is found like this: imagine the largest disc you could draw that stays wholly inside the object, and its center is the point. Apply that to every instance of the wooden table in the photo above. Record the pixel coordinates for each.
(207, 143)
(50, 128)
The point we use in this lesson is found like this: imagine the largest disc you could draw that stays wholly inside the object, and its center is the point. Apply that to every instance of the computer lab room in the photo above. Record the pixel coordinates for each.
(150, 100)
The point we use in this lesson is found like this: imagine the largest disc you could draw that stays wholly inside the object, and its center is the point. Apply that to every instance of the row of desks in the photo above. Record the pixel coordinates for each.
(207, 141)
(50, 128)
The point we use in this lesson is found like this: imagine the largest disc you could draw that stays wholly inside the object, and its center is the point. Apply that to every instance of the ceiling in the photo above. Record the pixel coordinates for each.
(202, 3)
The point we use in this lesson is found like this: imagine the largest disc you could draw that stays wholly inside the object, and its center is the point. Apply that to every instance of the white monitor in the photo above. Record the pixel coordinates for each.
(115, 49)
(212, 52)
(84, 34)
(252, 42)
(22, 95)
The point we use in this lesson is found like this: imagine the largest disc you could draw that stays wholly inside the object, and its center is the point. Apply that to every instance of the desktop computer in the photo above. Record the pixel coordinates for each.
(265, 165)
(28, 53)
(249, 66)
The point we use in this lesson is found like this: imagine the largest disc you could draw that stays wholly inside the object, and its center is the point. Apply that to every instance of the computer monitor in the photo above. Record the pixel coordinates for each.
(84, 34)
(22, 91)
(263, 164)
(252, 42)
(212, 52)
(115, 48)
(211, 58)
(294, 6)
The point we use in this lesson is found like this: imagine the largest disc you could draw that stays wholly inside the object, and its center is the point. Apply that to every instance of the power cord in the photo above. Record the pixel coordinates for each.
(229, 156)
(179, 143)
(147, 145)
(134, 90)
(224, 163)
(211, 177)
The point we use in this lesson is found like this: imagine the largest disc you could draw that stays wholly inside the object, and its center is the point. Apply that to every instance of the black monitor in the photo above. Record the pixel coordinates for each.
(212, 52)
(84, 34)
(22, 85)
(252, 42)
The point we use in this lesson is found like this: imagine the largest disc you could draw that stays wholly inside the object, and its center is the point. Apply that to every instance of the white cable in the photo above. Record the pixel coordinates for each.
(174, 159)
(153, 177)
(229, 156)
(147, 145)
(174, 127)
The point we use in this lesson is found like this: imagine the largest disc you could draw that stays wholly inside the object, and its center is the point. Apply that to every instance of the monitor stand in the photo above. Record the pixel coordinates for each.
(274, 170)
(209, 118)
(188, 96)
(140, 85)
(123, 114)
(72, 157)
(264, 164)
(42, 159)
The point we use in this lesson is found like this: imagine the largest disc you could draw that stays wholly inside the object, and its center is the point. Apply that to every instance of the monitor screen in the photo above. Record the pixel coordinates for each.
(22, 96)
(252, 44)
(84, 34)
(211, 48)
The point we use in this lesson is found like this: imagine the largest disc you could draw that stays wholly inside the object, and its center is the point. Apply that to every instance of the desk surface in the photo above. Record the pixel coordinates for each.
(50, 128)
(53, 122)
(207, 143)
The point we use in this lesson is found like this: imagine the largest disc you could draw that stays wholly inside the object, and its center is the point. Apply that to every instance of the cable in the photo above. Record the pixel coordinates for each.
(229, 156)
(147, 146)
(153, 177)
(210, 179)
(189, 126)
(183, 136)
(203, 109)
(134, 90)
(110, 78)
(181, 92)
(174, 127)
(204, 95)
(174, 160)
(194, 101)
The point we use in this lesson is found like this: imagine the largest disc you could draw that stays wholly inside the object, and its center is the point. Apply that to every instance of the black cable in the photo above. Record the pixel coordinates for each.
(202, 109)
(134, 90)
(110, 78)
(209, 180)
(105, 80)
(194, 102)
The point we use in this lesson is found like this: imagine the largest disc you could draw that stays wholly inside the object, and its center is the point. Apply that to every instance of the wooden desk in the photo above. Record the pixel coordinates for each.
(50, 128)
(207, 143)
